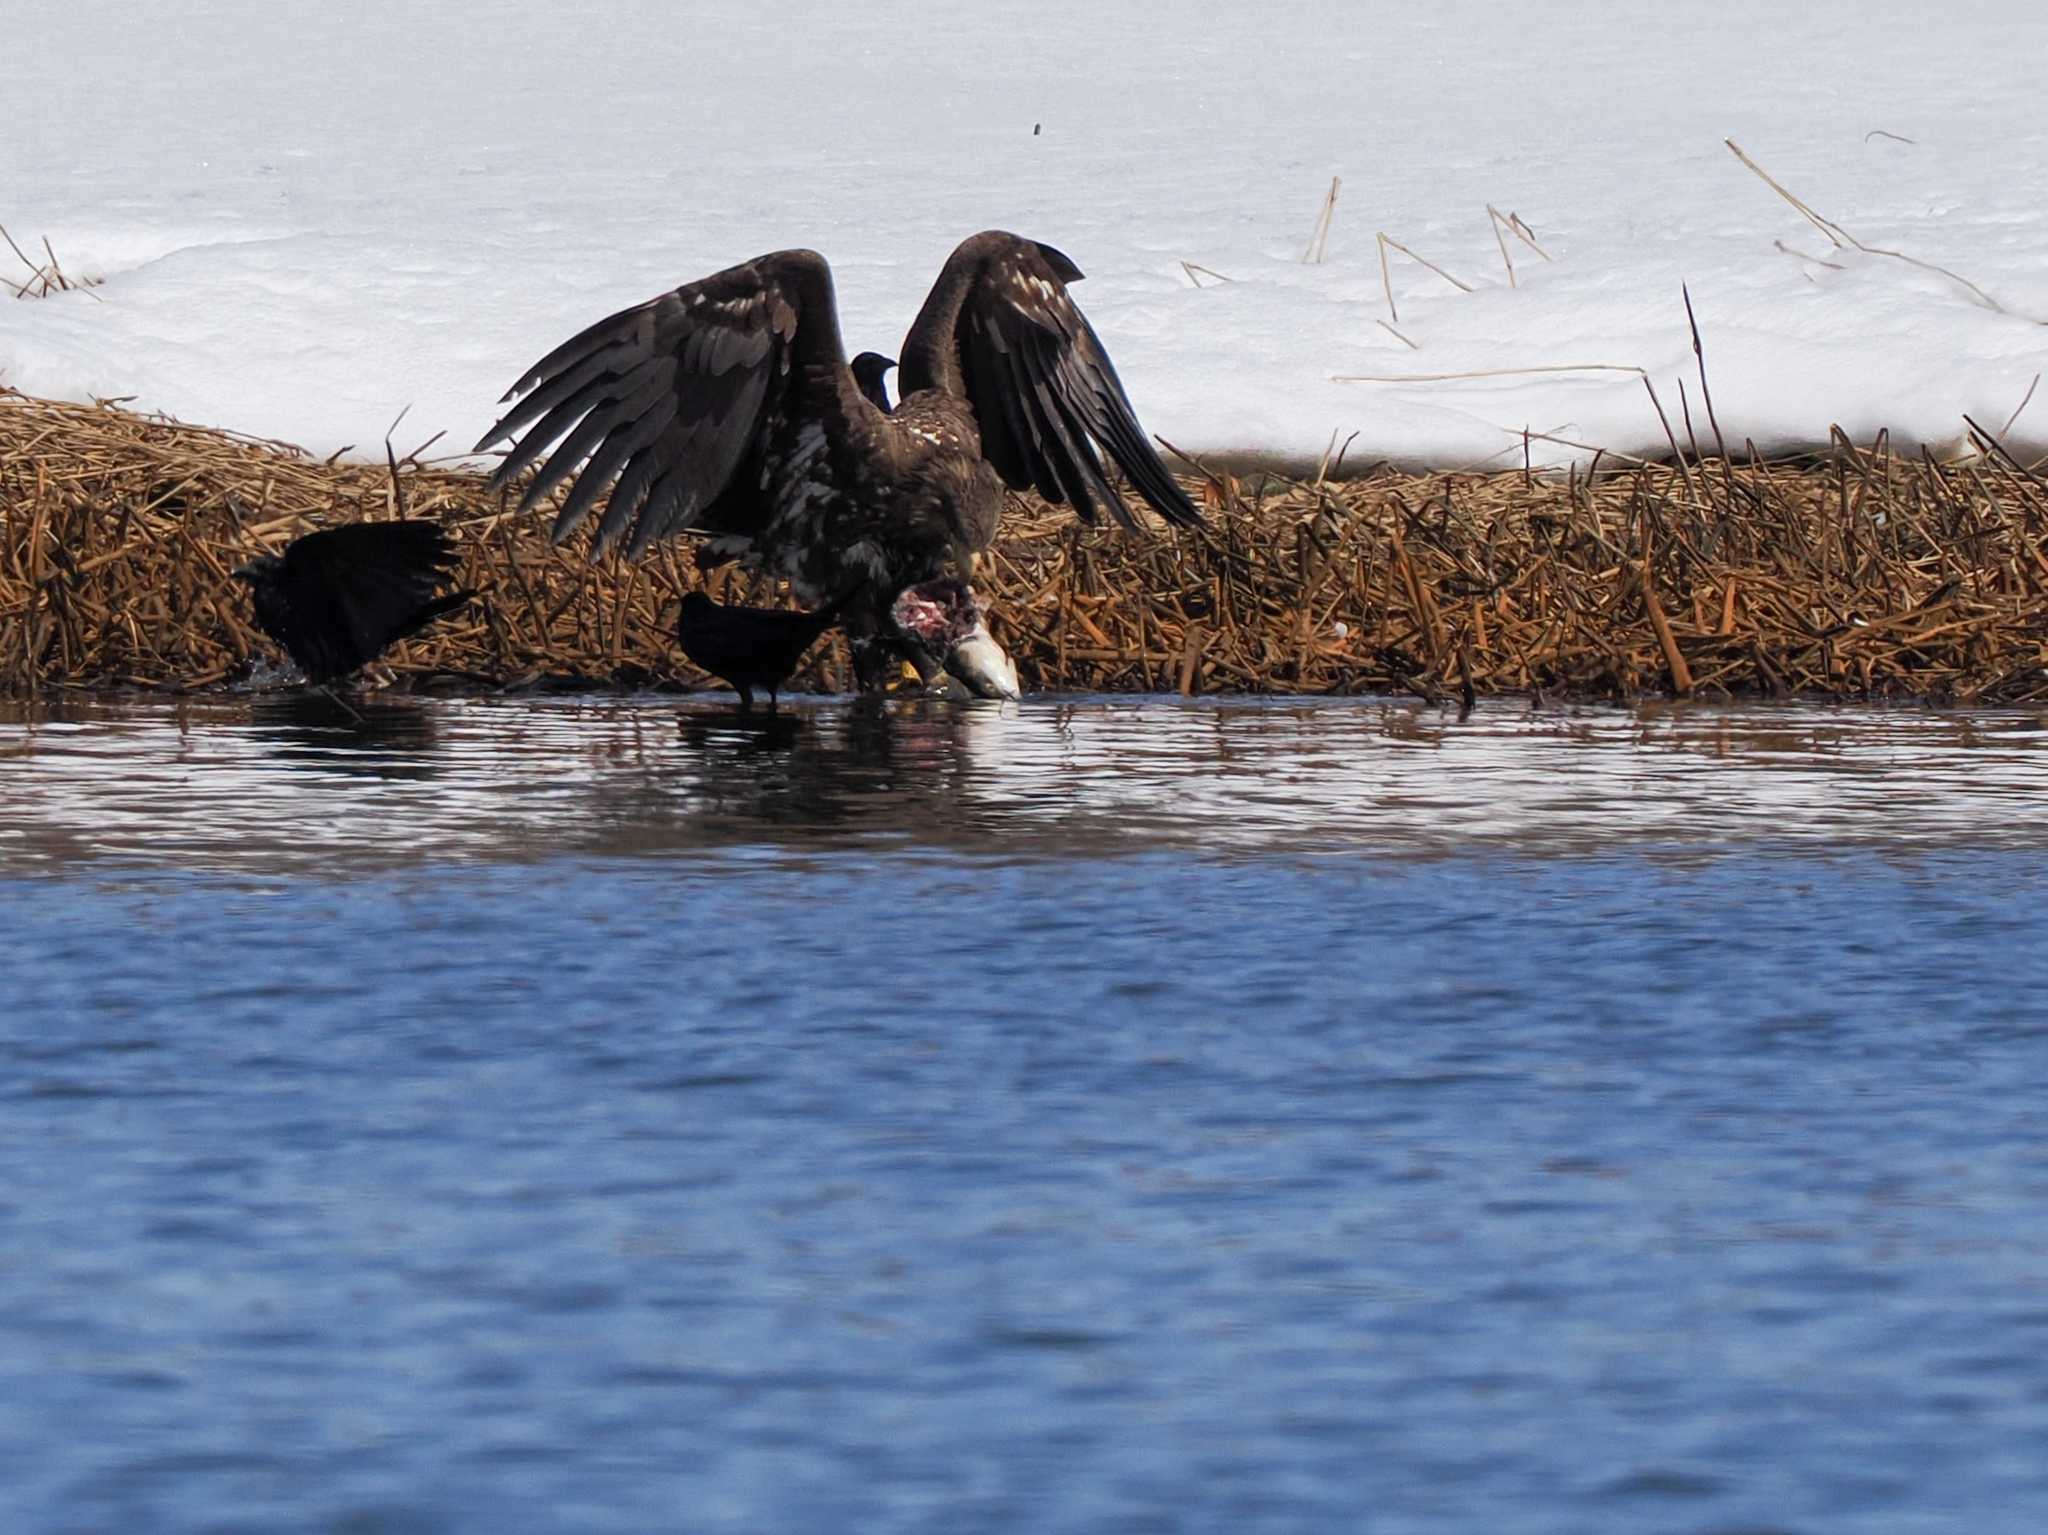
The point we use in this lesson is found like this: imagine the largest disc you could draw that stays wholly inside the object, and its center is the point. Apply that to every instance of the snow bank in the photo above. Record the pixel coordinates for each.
(308, 221)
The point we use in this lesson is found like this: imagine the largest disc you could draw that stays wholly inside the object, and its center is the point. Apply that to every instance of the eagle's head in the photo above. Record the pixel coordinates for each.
(946, 621)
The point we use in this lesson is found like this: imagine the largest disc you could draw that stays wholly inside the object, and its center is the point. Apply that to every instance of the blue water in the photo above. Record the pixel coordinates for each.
(614, 1116)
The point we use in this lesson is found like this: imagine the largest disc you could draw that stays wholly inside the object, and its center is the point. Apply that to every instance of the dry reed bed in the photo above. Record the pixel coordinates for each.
(1860, 573)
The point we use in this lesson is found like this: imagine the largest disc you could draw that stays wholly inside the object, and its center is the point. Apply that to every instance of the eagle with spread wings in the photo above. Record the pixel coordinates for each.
(727, 409)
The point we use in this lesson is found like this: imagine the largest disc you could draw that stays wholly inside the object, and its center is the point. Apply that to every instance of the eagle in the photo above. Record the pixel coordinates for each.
(727, 408)
(337, 599)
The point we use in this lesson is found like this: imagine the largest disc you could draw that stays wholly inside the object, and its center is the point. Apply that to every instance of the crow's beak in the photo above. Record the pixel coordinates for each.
(244, 573)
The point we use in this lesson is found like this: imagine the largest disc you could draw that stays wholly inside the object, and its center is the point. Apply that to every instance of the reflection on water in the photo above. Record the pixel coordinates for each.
(375, 737)
(303, 779)
(624, 1115)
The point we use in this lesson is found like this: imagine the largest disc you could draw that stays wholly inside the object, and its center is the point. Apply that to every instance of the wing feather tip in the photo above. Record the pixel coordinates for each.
(563, 527)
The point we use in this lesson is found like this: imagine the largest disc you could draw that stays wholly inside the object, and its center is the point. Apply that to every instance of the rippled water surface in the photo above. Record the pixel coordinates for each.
(626, 1115)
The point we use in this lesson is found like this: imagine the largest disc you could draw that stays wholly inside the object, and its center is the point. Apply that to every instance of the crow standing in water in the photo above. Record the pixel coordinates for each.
(750, 647)
(337, 598)
(728, 409)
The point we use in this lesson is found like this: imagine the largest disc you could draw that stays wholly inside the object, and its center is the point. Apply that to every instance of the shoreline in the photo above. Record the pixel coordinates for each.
(1860, 573)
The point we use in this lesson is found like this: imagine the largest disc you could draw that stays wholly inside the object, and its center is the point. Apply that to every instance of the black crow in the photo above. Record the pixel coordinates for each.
(871, 374)
(337, 598)
(749, 647)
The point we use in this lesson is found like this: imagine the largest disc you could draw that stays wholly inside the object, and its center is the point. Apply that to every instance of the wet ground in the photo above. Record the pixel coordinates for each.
(621, 1115)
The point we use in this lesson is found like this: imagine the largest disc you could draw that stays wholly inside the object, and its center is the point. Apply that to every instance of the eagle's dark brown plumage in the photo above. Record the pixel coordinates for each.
(337, 599)
(727, 408)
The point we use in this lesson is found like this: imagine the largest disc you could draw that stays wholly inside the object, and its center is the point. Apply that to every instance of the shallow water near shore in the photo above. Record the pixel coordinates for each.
(615, 1114)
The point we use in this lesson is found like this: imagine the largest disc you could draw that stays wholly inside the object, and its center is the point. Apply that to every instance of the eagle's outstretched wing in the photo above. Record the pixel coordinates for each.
(670, 398)
(1001, 329)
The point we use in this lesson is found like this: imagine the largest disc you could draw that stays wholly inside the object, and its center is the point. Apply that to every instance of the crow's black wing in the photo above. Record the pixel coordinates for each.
(670, 398)
(1044, 391)
(350, 592)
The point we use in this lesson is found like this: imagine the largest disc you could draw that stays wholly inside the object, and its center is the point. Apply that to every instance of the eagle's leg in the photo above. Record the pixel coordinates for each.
(877, 648)
(877, 662)
(880, 646)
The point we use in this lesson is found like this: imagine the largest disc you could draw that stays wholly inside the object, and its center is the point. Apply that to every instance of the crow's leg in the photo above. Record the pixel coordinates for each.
(337, 693)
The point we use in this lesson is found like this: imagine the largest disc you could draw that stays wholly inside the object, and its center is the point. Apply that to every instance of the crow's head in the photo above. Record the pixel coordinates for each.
(871, 371)
(264, 570)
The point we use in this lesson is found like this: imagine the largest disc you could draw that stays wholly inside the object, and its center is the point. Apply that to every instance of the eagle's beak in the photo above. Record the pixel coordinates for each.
(983, 665)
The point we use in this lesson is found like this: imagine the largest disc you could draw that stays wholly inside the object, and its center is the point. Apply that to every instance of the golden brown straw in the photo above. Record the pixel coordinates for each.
(1855, 573)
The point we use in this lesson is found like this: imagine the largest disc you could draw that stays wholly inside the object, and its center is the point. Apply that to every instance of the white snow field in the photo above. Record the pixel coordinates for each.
(309, 218)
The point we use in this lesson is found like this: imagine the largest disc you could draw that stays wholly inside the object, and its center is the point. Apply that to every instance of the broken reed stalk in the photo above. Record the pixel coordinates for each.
(1494, 219)
(1841, 239)
(1388, 242)
(1832, 266)
(1439, 378)
(45, 278)
(1706, 394)
(1319, 237)
(1855, 572)
(1525, 234)
(1677, 456)
(2025, 400)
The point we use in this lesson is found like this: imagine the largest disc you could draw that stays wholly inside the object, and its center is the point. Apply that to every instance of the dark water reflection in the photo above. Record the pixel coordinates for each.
(299, 781)
(375, 737)
(620, 1115)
